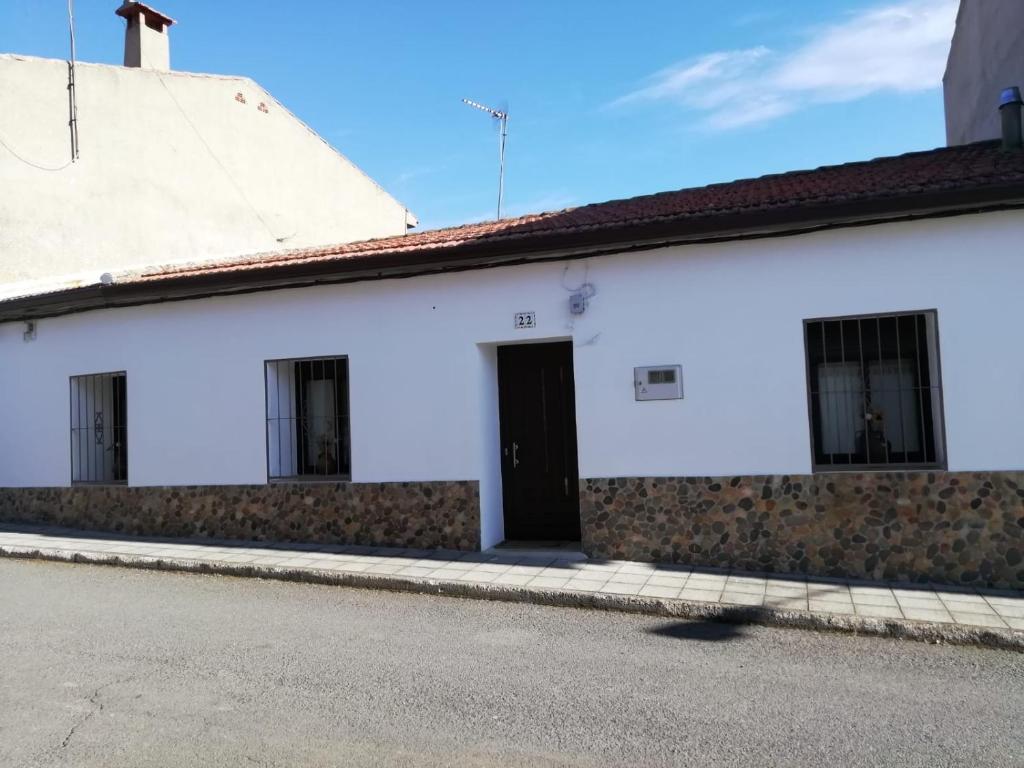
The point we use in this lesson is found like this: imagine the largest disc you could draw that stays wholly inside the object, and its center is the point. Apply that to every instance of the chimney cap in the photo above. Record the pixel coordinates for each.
(130, 9)
(1010, 96)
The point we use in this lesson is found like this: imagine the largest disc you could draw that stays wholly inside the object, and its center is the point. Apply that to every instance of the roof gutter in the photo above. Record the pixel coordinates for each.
(512, 250)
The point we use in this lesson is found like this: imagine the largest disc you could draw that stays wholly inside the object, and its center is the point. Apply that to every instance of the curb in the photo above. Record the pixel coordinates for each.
(902, 629)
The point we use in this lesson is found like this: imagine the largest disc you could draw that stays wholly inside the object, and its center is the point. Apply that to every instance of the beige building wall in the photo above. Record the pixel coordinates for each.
(173, 167)
(986, 56)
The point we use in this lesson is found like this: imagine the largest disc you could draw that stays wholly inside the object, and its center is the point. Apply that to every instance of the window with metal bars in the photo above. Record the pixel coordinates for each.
(875, 391)
(99, 428)
(308, 419)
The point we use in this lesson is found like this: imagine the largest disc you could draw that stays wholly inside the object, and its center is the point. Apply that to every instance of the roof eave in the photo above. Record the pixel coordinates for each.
(508, 251)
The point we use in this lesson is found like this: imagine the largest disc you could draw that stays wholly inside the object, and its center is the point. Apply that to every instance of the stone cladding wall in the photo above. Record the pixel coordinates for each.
(945, 527)
(442, 515)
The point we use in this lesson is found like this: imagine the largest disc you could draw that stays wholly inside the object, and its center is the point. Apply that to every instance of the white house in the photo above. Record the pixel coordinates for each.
(811, 372)
(163, 167)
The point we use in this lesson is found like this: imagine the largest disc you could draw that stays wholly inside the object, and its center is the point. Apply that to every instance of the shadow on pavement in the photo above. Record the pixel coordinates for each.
(704, 630)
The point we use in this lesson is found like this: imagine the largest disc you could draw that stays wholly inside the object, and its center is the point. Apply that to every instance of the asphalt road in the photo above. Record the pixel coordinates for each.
(112, 667)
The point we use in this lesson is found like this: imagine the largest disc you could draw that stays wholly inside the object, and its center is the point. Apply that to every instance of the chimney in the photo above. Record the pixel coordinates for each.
(145, 36)
(1009, 108)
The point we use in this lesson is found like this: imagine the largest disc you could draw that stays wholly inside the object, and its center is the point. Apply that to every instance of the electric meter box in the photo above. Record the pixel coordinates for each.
(658, 382)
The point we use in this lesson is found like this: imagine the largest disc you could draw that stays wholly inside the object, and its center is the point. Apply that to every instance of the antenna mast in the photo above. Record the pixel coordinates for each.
(502, 117)
(72, 95)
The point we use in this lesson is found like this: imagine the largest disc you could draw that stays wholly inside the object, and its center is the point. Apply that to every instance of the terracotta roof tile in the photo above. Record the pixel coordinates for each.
(963, 168)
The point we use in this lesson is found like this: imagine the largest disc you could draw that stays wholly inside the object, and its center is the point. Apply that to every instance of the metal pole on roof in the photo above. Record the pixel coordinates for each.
(72, 95)
(502, 117)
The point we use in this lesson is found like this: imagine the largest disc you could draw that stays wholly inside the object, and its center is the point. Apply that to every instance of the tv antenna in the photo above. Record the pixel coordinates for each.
(501, 115)
(72, 93)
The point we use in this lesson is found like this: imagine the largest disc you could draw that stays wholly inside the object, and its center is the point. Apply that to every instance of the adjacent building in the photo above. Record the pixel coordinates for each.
(985, 58)
(167, 167)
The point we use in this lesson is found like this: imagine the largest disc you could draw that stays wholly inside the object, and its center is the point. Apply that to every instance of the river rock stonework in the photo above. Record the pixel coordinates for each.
(945, 527)
(442, 515)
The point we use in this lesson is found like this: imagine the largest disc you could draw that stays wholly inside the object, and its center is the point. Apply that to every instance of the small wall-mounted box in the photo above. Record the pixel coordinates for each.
(658, 382)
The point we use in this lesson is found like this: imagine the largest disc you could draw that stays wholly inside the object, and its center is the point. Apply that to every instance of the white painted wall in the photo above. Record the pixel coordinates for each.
(421, 360)
(172, 168)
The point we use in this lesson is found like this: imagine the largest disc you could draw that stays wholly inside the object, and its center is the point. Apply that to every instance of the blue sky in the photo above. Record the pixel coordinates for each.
(606, 99)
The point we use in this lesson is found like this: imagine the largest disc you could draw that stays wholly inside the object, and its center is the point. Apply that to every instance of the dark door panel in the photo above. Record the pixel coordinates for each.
(540, 475)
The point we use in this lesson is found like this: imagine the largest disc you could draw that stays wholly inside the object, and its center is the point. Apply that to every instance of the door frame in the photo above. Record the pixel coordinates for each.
(570, 413)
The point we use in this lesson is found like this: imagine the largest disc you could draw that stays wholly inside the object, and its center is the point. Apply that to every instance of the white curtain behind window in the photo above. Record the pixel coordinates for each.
(893, 393)
(841, 400)
(320, 439)
(281, 419)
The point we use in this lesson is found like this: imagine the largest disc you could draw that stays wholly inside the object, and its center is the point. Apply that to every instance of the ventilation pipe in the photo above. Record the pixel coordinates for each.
(1009, 108)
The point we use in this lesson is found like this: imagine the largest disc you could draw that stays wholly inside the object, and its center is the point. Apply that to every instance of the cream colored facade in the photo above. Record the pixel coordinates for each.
(172, 167)
(986, 56)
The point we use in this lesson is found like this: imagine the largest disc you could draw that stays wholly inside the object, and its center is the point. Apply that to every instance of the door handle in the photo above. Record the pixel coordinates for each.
(515, 455)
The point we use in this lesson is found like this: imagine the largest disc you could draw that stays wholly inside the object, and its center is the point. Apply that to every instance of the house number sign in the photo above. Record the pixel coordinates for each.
(525, 320)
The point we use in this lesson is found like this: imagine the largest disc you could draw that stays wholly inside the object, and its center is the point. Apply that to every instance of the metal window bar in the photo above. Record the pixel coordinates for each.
(863, 391)
(307, 419)
(899, 398)
(921, 322)
(885, 442)
(882, 375)
(98, 428)
(842, 358)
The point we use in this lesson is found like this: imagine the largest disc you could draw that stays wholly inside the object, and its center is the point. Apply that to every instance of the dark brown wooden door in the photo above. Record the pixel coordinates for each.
(539, 470)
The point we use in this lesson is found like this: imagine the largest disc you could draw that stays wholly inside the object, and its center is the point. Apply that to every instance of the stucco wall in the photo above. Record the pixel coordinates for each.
(172, 167)
(421, 360)
(986, 56)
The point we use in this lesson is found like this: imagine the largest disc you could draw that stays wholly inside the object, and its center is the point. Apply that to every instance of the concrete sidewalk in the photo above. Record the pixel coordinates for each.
(931, 613)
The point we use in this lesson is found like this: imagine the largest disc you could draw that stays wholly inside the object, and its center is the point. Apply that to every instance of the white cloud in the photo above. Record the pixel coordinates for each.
(403, 178)
(898, 47)
(723, 67)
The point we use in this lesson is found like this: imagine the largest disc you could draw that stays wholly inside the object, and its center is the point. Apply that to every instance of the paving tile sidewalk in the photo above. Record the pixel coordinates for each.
(994, 617)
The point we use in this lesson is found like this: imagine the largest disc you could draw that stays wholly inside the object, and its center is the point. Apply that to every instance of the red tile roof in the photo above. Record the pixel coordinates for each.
(948, 181)
(905, 177)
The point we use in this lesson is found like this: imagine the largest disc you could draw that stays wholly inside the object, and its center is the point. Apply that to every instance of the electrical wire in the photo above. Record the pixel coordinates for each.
(73, 117)
(26, 161)
(585, 289)
(213, 155)
(216, 159)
